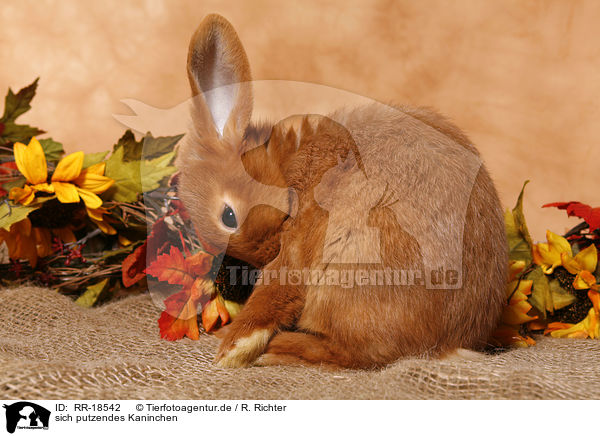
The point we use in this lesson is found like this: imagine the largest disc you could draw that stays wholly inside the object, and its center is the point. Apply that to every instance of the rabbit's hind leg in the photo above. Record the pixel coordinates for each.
(303, 349)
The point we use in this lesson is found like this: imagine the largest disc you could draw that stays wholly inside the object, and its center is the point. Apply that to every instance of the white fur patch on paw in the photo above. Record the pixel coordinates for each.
(245, 350)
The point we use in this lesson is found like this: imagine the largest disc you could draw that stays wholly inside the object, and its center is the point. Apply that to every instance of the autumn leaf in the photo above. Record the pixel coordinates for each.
(148, 147)
(131, 147)
(174, 269)
(14, 106)
(93, 158)
(19, 103)
(10, 214)
(517, 233)
(155, 147)
(92, 293)
(134, 265)
(180, 317)
(132, 178)
(575, 208)
(53, 150)
(171, 268)
(541, 295)
(9, 170)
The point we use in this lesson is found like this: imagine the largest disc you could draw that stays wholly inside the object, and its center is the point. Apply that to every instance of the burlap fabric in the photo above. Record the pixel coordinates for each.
(52, 349)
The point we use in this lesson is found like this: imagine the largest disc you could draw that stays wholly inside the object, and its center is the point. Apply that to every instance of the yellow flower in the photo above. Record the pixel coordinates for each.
(589, 327)
(518, 307)
(585, 280)
(68, 182)
(30, 243)
(583, 264)
(516, 311)
(558, 252)
(585, 260)
(549, 255)
(97, 216)
(515, 267)
(20, 241)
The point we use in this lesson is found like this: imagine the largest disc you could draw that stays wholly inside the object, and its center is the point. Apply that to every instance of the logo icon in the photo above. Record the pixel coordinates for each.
(26, 415)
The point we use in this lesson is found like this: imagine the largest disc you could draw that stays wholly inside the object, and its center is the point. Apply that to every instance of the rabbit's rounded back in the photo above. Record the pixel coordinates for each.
(397, 197)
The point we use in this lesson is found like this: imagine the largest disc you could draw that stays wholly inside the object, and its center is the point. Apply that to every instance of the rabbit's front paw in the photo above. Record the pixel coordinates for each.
(241, 348)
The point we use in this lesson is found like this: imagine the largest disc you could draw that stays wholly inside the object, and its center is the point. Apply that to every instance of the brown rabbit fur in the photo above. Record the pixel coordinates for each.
(271, 176)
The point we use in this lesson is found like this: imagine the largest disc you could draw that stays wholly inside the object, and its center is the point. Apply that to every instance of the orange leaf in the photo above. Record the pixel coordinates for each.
(557, 326)
(180, 317)
(210, 315)
(134, 265)
(199, 264)
(172, 268)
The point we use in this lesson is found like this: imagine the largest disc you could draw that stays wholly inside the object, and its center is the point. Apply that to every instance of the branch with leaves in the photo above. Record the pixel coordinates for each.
(69, 221)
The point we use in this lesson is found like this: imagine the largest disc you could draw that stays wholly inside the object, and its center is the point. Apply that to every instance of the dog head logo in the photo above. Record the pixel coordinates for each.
(26, 415)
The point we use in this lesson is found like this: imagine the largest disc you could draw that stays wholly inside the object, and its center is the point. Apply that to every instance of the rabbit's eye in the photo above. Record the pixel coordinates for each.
(228, 218)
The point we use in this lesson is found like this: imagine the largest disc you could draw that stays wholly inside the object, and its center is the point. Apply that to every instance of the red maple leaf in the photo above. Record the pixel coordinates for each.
(575, 208)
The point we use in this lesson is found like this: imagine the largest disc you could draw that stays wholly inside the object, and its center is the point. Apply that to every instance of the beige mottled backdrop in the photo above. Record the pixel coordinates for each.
(522, 78)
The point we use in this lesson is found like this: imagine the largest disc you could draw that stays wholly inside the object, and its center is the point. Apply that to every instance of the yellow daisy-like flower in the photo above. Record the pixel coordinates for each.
(516, 311)
(97, 216)
(585, 260)
(583, 264)
(20, 240)
(68, 182)
(558, 252)
(549, 255)
(30, 243)
(589, 327)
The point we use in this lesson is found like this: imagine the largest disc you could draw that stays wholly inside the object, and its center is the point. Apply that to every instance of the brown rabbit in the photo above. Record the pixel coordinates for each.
(378, 231)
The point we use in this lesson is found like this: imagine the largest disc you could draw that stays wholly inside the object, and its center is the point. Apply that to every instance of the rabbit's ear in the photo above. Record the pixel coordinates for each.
(219, 75)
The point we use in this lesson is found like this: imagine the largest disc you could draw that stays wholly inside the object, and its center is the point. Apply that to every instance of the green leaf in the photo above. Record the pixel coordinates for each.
(118, 251)
(541, 296)
(519, 239)
(92, 293)
(134, 177)
(94, 158)
(560, 297)
(126, 175)
(155, 147)
(155, 170)
(520, 218)
(10, 214)
(148, 147)
(52, 149)
(18, 183)
(18, 133)
(132, 149)
(19, 103)
(14, 106)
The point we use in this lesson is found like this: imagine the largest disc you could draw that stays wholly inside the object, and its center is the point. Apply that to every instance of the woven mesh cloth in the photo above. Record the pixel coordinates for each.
(51, 348)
